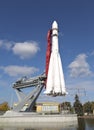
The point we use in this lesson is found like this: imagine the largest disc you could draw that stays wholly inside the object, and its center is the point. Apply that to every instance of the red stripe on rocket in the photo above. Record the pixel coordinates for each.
(48, 51)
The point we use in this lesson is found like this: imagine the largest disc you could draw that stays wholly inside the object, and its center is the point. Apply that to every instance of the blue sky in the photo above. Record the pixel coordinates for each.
(23, 28)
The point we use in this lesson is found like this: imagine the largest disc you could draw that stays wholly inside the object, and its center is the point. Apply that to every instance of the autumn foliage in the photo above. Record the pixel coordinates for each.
(4, 106)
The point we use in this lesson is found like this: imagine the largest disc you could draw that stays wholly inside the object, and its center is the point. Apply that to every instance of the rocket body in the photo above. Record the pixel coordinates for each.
(55, 84)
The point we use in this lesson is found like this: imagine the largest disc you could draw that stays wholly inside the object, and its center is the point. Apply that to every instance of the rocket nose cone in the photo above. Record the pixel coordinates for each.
(54, 25)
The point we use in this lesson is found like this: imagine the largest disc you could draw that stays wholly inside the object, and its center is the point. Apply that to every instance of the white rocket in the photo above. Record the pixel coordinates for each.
(55, 84)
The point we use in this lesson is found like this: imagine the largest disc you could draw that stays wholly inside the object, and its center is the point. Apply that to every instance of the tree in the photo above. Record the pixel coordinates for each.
(88, 107)
(4, 106)
(92, 103)
(66, 105)
(78, 106)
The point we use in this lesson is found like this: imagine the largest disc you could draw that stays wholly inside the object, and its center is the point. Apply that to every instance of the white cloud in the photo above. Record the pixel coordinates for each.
(25, 49)
(19, 70)
(6, 44)
(79, 67)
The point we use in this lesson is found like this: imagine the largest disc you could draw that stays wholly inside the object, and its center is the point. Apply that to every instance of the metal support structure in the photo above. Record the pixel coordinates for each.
(26, 102)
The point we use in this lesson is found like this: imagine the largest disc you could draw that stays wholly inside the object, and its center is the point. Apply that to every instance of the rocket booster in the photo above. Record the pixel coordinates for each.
(55, 84)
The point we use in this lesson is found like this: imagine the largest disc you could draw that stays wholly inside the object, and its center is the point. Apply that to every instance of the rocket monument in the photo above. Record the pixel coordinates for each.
(55, 84)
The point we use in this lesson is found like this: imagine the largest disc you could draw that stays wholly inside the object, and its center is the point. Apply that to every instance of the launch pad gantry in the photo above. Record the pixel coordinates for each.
(26, 102)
